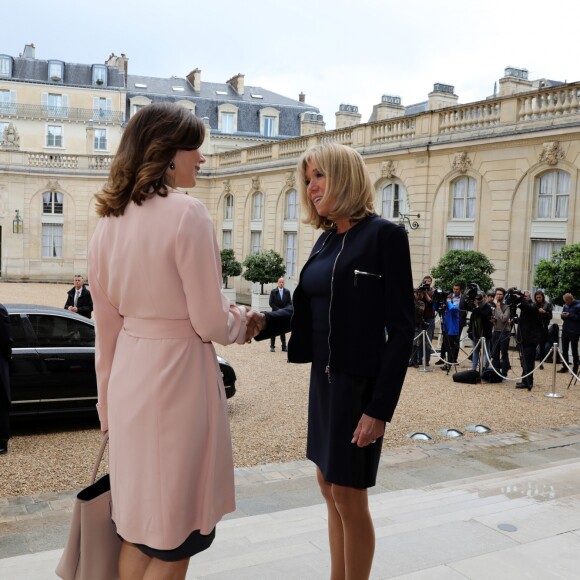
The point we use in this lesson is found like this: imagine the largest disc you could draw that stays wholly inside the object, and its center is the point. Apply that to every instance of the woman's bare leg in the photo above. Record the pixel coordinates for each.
(135, 565)
(358, 529)
(160, 570)
(132, 562)
(335, 532)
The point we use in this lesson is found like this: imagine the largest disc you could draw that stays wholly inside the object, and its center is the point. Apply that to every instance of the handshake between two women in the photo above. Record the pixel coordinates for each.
(255, 323)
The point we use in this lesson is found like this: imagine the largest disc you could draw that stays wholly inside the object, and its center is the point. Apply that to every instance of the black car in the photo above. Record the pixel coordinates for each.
(53, 362)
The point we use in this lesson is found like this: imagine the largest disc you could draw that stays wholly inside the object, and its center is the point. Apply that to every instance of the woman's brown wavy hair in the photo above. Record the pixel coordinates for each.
(149, 143)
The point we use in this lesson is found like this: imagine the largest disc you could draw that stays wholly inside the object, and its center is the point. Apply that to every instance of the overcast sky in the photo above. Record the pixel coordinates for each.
(335, 51)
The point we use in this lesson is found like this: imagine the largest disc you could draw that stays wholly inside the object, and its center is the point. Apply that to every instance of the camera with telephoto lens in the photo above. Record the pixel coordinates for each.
(470, 294)
(512, 298)
(439, 299)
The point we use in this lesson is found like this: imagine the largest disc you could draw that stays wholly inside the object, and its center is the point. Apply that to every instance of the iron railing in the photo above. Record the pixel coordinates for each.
(74, 114)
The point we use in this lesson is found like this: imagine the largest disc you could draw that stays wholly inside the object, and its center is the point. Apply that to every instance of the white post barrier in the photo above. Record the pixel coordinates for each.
(425, 368)
(553, 394)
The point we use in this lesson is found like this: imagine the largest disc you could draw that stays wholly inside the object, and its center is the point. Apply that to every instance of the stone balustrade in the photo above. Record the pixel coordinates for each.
(259, 153)
(470, 117)
(89, 163)
(53, 160)
(393, 130)
(479, 120)
(549, 103)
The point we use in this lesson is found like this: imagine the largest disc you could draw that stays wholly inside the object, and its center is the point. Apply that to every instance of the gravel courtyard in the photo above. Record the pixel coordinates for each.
(268, 413)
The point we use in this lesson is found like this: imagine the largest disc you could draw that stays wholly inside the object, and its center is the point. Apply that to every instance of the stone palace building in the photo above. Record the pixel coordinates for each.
(499, 175)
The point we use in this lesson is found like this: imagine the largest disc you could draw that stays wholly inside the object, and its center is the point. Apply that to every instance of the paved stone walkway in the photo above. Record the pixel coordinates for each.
(437, 508)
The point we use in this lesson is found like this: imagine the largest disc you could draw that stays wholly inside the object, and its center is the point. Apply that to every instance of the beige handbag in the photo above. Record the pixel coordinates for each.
(92, 549)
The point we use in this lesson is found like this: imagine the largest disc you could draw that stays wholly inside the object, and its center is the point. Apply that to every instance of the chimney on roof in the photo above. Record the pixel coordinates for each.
(515, 80)
(347, 116)
(442, 96)
(237, 83)
(29, 51)
(194, 78)
(120, 62)
(302, 97)
(391, 106)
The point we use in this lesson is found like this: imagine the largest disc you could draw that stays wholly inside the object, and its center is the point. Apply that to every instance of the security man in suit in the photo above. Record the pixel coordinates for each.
(279, 298)
(79, 298)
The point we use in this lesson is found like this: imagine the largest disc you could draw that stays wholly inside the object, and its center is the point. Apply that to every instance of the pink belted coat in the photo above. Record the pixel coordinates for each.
(155, 277)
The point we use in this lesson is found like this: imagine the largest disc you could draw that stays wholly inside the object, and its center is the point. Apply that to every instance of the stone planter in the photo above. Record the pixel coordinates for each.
(230, 294)
(260, 302)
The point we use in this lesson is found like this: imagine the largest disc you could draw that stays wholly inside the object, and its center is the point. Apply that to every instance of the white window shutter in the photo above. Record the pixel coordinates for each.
(44, 100)
(13, 97)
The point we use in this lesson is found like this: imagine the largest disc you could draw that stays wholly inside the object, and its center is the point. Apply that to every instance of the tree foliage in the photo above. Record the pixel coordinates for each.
(464, 266)
(264, 268)
(560, 274)
(230, 266)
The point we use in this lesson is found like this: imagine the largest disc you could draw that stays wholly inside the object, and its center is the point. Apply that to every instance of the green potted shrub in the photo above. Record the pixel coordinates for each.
(263, 268)
(230, 268)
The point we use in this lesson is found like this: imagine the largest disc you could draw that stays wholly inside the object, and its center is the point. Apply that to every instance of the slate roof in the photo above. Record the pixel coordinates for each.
(36, 70)
(208, 99)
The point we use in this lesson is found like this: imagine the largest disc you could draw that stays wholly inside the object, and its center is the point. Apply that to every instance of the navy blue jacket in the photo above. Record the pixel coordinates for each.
(372, 296)
(571, 323)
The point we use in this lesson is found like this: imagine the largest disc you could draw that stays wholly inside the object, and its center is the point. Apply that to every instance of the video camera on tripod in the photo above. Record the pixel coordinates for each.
(439, 299)
(471, 292)
(512, 298)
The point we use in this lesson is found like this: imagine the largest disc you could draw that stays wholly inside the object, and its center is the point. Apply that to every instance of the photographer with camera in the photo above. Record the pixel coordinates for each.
(570, 331)
(545, 309)
(417, 352)
(480, 328)
(429, 315)
(453, 323)
(528, 335)
(500, 338)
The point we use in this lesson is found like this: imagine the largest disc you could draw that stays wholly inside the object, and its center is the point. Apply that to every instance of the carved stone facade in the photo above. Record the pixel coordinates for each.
(10, 138)
(551, 153)
(461, 162)
(474, 185)
(388, 169)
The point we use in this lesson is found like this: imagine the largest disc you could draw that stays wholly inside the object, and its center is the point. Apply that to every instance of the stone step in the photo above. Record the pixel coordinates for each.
(523, 523)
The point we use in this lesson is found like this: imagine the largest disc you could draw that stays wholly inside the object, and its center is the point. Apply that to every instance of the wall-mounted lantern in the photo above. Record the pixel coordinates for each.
(17, 223)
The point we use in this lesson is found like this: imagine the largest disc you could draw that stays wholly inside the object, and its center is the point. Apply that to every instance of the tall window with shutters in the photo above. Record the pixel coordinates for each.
(463, 198)
(552, 195)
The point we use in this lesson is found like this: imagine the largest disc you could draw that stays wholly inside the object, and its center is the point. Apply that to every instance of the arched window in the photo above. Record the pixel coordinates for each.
(463, 198)
(229, 207)
(52, 202)
(257, 205)
(291, 208)
(553, 194)
(392, 200)
(52, 224)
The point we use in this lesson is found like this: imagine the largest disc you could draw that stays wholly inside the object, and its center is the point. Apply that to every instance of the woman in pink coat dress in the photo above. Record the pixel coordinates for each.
(155, 274)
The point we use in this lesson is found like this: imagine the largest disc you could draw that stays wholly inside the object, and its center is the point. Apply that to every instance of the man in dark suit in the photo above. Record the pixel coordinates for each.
(79, 298)
(279, 298)
(5, 398)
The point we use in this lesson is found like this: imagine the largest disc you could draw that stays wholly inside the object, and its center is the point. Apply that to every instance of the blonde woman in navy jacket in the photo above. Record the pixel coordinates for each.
(353, 319)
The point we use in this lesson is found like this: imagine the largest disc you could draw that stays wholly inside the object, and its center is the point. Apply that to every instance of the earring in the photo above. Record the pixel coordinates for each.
(171, 165)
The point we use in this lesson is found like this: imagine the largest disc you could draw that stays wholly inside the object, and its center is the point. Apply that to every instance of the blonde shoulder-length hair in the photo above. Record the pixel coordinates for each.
(348, 185)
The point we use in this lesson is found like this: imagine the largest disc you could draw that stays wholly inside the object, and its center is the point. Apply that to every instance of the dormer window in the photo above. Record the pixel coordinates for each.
(55, 71)
(99, 74)
(5, 66)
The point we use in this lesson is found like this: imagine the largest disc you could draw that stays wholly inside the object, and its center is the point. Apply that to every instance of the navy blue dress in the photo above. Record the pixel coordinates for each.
(335, 407)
